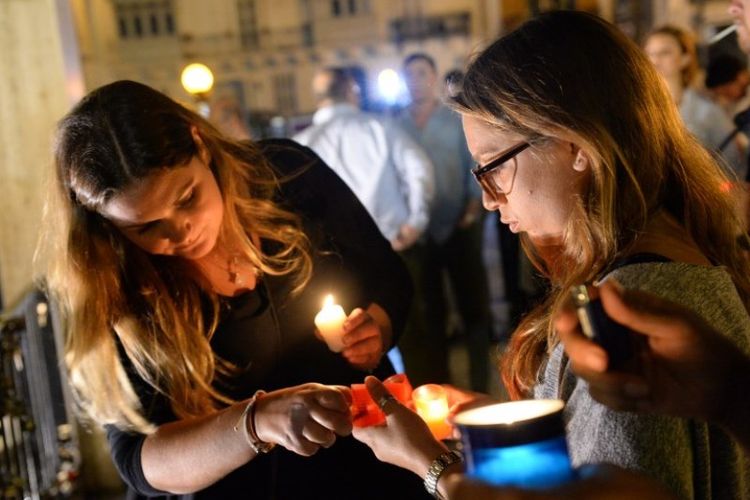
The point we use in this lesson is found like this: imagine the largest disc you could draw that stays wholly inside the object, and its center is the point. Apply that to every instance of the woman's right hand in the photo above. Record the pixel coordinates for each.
(404, 440)
(304, 418)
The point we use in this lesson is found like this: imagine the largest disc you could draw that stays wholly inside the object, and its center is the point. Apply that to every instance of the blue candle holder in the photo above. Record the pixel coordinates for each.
(521, 443)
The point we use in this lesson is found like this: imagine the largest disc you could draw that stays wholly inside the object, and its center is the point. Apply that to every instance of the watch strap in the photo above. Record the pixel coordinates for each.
(437, 467)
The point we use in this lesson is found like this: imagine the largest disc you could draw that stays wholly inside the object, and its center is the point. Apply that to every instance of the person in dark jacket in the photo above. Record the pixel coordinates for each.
(190, 268)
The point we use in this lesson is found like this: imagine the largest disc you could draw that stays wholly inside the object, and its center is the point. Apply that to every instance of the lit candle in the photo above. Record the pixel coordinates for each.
(521, 443)
(431, 403)
(330, 321)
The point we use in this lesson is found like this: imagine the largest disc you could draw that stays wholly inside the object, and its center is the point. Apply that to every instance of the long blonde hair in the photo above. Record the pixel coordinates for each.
(572, 75)
(110, 290)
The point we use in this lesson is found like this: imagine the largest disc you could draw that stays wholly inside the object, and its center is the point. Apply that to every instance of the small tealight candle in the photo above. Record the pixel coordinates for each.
(431, 403)
(330, 321)
(521, 443)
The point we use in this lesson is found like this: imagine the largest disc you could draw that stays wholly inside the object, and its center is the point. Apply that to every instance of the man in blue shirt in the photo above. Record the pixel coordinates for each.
(452, 242)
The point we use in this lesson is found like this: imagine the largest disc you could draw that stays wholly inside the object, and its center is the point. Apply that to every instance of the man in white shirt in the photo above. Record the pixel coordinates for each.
(389, 173)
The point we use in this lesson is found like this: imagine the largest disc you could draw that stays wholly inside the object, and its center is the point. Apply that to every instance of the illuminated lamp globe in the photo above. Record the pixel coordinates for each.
(197, 79)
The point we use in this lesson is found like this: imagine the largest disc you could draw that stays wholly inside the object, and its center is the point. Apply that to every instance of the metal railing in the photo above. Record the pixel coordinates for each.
(38, 448)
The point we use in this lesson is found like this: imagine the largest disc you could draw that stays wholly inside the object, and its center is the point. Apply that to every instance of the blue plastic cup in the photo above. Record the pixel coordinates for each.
(521, 443)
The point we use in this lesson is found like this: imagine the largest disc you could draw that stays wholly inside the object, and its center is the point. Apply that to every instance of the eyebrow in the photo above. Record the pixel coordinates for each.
(493, 153)
(183, 190)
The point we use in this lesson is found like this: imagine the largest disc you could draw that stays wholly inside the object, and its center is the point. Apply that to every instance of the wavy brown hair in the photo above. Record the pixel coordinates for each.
(574, 76)
(110, 289)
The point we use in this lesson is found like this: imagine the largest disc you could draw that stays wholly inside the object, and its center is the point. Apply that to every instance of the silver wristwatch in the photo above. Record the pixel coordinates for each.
(437, 467)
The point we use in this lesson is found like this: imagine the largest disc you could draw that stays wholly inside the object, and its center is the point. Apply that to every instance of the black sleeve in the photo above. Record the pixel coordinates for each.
(316, 193)
(125, 446)
(125, 449)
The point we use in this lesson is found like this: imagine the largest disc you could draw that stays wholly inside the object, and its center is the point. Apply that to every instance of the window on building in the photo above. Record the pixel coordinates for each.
(137, 26)
(122, 24)
(349, 8)
(286, 93)
(248, 19)
(169, 22)
(144, 18)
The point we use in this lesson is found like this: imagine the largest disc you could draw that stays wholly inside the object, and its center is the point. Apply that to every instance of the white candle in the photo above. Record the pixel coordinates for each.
(330, 321)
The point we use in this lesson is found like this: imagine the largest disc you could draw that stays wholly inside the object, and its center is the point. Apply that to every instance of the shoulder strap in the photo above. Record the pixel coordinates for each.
(637, 258)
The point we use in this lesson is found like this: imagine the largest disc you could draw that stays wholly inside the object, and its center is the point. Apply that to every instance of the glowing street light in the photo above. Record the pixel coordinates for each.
(198, 80)
(390, 85)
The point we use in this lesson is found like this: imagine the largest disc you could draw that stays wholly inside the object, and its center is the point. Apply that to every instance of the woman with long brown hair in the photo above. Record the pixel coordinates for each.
(189, 268)
(674, 54)
(580, 150)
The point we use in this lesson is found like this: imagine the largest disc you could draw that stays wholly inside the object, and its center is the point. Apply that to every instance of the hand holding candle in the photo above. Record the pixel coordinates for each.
(330, 321)
(365, 411)
(404, 440)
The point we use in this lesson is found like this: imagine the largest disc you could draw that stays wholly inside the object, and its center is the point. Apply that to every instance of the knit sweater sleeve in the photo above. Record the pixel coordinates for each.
(693, 458)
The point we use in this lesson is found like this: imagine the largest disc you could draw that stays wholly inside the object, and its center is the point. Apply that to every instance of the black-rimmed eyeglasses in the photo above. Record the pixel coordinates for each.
(496, 177)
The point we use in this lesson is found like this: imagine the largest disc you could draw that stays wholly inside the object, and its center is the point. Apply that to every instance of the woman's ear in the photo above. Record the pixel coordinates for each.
(581, 161)
(203, 152)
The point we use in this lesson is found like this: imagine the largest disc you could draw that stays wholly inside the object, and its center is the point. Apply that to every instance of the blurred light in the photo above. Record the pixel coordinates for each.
(390, 85)
(197, 79)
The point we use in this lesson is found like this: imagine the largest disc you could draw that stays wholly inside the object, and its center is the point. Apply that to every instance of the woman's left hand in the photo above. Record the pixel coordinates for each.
(405, 440)
(363, 340)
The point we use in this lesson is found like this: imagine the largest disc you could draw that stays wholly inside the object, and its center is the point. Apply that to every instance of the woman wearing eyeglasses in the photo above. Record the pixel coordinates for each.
(580, 150)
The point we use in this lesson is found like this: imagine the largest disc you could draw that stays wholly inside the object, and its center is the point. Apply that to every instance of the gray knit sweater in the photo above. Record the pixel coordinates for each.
(695, 459)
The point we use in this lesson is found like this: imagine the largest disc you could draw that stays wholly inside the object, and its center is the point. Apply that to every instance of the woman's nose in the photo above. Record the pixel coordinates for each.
(491, 203)
(180, 230)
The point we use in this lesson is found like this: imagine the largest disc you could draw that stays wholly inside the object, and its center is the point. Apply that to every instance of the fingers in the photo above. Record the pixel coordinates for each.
(359, 327)
(306, 433)
(363, 340)
(642, 312)
(580, 349)
(335, 421)
(619, 391)
(317, 434)
(357, 317)
(305, 417)
(333, 399)
(381, 395)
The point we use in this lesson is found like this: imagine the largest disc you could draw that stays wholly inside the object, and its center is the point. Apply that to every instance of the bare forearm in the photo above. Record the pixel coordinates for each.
(189, 455)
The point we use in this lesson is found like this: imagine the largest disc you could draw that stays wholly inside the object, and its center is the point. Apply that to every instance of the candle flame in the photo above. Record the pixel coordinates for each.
(328, 301)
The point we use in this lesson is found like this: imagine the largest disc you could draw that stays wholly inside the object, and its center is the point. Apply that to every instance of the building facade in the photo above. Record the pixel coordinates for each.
(263, 53)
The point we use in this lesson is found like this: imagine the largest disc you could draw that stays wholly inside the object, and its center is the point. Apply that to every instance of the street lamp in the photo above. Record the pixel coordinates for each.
(198, 80)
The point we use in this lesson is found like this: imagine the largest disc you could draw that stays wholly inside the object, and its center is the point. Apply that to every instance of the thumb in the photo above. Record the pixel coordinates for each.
(380, 394)
(642, 312)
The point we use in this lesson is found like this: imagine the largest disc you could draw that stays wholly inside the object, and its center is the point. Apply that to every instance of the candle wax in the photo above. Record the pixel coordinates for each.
(330, 321)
